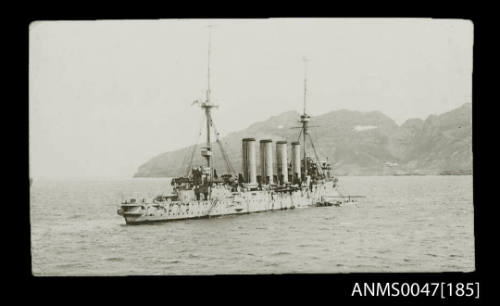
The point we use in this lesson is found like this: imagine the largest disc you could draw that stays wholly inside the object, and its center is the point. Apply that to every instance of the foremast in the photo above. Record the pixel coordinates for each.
(207, 106)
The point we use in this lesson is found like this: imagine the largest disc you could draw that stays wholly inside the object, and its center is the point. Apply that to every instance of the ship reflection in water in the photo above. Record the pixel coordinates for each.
(406, 223)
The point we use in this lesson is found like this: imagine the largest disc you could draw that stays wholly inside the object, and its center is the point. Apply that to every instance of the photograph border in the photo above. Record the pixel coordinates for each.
(332, 287)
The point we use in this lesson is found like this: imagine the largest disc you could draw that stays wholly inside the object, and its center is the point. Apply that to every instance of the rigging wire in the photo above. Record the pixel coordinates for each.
(221, 147)
(339, 188)
(229, 166)
(181, 166)
(184, 160)
(316, 154)
(300, 133)
(195, 148)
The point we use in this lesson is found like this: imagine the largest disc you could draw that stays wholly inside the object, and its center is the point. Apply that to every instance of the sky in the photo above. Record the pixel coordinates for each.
(107, 95)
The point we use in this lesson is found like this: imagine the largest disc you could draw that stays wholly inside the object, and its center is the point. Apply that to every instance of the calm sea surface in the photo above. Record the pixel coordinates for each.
(406, 224)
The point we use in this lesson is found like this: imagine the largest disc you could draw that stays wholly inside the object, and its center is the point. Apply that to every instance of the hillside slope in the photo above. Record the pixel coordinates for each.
(357, 143)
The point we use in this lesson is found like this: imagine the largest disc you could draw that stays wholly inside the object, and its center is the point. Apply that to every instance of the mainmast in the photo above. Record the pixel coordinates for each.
(304, 118)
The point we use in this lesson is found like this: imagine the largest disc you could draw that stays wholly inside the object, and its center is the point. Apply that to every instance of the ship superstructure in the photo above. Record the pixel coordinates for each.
(300, 181)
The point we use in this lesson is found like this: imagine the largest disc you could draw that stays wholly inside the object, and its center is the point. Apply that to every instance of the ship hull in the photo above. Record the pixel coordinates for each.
(231, 203)
(160, 219)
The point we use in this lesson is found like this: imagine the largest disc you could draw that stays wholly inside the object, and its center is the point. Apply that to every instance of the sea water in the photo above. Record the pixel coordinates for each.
(405, 224)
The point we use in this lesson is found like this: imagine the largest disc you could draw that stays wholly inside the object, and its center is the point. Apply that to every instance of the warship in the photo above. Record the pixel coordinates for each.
(304, 181)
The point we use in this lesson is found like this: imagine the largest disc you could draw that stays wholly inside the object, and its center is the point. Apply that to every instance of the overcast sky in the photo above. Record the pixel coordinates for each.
(105, 96)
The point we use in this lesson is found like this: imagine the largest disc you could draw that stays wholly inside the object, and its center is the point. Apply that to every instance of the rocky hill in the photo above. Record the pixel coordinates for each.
(357, 143)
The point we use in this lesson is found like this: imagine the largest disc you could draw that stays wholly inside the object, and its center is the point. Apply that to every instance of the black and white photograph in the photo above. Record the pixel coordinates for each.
(250, 146)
